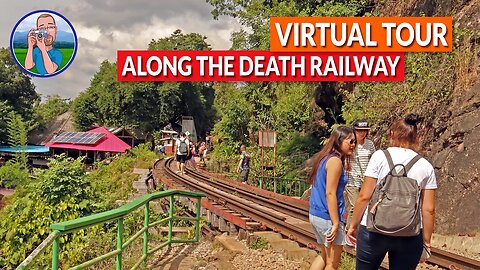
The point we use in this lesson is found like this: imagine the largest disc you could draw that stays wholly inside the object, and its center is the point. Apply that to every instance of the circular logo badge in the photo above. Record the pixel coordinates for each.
(43, 43)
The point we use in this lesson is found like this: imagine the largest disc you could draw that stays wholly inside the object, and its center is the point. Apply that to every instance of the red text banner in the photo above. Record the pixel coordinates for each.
(145, 65)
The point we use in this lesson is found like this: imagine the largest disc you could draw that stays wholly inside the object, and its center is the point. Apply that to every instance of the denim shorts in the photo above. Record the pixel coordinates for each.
(322, 227)
(403, 252)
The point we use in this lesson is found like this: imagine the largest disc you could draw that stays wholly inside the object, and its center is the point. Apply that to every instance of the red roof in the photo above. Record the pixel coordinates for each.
(109, 143)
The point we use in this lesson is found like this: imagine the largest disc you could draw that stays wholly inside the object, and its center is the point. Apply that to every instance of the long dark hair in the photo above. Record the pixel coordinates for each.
(333, 145)
(403, 132)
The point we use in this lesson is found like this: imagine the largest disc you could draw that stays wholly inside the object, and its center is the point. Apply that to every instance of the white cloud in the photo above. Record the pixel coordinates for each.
(103, 27)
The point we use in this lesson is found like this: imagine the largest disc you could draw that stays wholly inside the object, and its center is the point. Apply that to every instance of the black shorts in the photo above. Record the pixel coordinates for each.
(244, 175)
(181, 158)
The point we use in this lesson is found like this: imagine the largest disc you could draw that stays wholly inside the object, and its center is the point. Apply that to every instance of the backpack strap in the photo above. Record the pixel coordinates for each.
(411, 163)
(389, 159)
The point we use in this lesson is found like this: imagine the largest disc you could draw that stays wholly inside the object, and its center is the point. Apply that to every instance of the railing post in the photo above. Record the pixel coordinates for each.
(170, 221)
(145, 234)
(274, 185)
(119, 243)
(197, 222)
(55, 253)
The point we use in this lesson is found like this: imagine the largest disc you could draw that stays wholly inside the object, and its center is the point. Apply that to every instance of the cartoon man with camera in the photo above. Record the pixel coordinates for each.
(43, 56)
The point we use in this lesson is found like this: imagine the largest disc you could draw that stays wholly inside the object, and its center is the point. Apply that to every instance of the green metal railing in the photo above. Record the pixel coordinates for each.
(282, 185)
(118, 215)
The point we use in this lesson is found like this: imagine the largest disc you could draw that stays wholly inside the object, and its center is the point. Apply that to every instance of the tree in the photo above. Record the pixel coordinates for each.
(148, 106)
(15, 171)
(5, 110)
(57, 194)
(17, 92)
(52, 107)
(287, 108)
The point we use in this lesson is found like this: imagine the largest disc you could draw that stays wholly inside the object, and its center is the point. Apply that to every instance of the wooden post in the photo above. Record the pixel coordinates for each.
(274, 161)
(261, 147)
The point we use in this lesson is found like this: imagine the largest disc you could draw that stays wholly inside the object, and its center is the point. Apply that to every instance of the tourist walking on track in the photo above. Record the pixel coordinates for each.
(191, 156)
(397, 202)
(181, 151)
(327, 204)
(358, 161)
(244, 164)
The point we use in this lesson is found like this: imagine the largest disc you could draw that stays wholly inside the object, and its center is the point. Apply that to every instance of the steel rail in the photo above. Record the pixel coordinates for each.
(439, 257)
(255, 196)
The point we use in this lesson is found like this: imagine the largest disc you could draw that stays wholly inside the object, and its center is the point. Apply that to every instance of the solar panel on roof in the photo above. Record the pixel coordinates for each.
(78, 137)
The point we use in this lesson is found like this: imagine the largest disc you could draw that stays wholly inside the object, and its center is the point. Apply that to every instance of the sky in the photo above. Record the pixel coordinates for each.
(103, 27)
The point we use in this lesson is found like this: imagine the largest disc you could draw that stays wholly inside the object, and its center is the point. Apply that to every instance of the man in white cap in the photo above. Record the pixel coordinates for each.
(358, 161)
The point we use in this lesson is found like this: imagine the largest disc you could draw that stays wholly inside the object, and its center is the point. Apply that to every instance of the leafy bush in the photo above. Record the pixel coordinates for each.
(64, 192)
(114, 181)
(64, 179)
(144, 158)
(430, 79)
(60, 193)
(260, 243)
(13, 174)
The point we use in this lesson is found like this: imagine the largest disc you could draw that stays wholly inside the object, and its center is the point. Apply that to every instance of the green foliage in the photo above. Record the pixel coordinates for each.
(12, 174)
(255, 15)
(5, 111)
(429, 80)
(147, 106)
(17, 136)
(282, 107)
(180, 42)
(64, 192)
(58, 194)
(292, 110)
(347, 262)
(65, 178)
(259, 244)
(17, 92)
(52, 107)
(15, 171)
(143, 157)
(293, 152)
(231, 103)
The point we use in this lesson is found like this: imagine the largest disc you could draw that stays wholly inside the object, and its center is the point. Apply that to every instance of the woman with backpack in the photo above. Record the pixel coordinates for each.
(401, 203)
(327, 204)
(191, 156)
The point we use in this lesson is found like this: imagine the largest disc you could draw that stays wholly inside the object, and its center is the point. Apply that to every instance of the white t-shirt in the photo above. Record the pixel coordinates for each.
(177, 145)
(359, 162)
(422, 170)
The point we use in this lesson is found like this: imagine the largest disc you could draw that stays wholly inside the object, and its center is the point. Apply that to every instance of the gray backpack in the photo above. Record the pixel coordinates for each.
(182, 148)
(394, 208)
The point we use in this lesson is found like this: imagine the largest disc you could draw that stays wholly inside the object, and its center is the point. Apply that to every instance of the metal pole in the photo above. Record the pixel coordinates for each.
(55, 253)
(145, 234)
(261, 147)
(197, 222)
(275, 166)
(170, 221)
(119, 243)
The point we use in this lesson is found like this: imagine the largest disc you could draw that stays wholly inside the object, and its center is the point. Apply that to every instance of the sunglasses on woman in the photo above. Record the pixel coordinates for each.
(352, 141)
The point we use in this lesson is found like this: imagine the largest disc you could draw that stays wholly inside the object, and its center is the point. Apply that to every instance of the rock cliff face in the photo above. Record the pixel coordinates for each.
(453, 144)
(452, 141)
(455, 154)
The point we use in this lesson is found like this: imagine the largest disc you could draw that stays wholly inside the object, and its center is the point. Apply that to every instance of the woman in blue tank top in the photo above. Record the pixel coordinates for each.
(327, 204)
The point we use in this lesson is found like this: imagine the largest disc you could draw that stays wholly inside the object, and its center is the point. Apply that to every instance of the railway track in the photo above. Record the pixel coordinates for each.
(251, 208)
